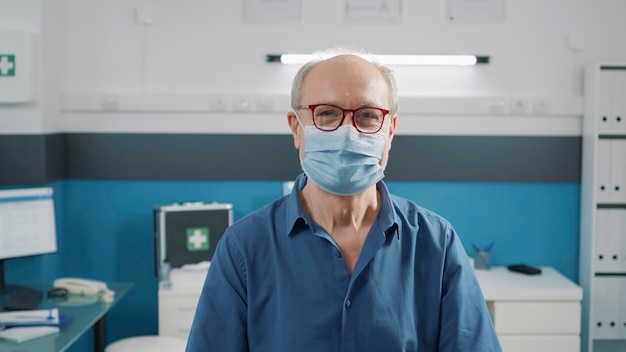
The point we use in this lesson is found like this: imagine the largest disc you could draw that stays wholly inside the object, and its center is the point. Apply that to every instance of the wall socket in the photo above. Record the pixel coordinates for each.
(497, 106)
(219, 102)
(264, 103)
(519, 106)
(109, 102)
(243, 103)
(541, 106)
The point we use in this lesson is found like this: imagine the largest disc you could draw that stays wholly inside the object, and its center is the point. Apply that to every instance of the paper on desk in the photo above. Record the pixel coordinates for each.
(25, 333)
(30, 317)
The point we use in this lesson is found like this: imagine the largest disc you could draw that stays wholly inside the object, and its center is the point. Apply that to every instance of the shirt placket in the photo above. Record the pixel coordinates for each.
(349, 316)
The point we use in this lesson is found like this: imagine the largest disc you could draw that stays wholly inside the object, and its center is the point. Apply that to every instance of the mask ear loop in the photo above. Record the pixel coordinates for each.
(298, 118)
(301, 125)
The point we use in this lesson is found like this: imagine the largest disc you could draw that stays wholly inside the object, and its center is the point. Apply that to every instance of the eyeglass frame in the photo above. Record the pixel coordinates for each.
(312, 107)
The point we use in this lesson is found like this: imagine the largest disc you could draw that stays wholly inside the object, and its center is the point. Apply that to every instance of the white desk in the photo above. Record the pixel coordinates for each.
(533, 312)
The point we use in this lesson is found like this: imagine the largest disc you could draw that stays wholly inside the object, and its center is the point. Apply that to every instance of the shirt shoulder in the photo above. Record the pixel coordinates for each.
(410, 212)
(257, 227)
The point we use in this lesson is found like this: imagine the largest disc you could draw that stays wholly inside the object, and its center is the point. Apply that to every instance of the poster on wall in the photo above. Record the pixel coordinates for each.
(271, 11)
(373, 11)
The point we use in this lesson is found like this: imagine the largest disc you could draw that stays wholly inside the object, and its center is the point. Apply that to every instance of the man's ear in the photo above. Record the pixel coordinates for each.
(392, 127)
(294, 125)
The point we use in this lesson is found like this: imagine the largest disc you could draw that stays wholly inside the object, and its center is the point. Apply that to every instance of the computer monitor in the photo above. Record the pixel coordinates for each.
(27, 224)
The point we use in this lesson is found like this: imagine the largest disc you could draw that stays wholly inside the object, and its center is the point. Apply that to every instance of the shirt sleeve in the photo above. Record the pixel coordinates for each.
(465, 321)
(220, 319)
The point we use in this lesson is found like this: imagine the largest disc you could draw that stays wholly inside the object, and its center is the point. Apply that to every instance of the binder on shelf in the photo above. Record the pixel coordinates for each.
(602, 241)
(617, 235)
(610, 252)
(603, 183)
(618, 170)
(622, 309)
(611, 171)
(605, 110)
(618, 123)
(605, 320)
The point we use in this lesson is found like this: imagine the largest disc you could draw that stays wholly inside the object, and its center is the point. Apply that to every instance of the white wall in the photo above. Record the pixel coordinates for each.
(199, 45)
(161, 77)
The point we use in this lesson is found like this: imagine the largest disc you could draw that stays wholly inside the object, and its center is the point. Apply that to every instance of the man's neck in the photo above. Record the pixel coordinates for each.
(340, 212)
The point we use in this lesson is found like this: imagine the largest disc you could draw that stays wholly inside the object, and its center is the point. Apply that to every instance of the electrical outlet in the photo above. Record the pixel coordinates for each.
(264, 103)
(497, 106)
(109, 102)
(242, 103)
(541, 106)
(519, 106)
(219, 102)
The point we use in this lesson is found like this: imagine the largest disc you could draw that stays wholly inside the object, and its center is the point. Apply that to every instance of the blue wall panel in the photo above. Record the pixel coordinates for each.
(532, 223)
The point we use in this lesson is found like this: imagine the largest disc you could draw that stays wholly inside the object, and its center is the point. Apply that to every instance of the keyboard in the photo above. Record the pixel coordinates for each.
(24, 299)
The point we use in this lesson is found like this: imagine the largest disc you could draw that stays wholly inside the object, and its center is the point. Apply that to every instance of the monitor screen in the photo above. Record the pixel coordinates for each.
(27, 225)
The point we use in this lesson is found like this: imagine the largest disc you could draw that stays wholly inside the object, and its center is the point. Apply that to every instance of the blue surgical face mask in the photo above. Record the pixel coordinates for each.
(343, 162)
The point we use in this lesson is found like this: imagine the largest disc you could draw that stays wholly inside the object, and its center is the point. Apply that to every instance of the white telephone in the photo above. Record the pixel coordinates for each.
(85, 287)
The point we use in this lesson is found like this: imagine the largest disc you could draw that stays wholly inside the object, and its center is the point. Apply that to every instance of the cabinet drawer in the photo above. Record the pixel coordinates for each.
(540, 343)
(176, 315)
(169, 328)
(542, 318)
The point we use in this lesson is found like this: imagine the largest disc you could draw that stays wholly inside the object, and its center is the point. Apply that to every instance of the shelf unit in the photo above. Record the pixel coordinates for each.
(602, 268)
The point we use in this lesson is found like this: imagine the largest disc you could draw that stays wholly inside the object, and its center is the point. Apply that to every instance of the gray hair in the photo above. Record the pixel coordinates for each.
(388, 75)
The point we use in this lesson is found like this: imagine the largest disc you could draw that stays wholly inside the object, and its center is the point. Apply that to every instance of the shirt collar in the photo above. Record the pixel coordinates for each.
(387, 218)
(296, 218)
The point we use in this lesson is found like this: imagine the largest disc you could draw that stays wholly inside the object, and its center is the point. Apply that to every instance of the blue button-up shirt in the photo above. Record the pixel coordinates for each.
(278, 282)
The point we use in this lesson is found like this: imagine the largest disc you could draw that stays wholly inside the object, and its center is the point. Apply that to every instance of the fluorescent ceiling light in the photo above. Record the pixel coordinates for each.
(446, 60)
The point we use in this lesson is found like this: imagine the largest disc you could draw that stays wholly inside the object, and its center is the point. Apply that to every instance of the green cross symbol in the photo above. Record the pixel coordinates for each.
(198, 239)
(7, 65)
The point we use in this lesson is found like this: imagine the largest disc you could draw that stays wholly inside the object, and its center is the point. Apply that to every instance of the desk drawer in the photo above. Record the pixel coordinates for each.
(540, 343)
(541, 318)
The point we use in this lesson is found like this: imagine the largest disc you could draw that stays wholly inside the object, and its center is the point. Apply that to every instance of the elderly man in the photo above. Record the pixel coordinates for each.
(341, 264)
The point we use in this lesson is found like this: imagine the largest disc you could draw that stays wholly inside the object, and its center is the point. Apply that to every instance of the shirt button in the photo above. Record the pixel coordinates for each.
(338, 254)
(348, 303)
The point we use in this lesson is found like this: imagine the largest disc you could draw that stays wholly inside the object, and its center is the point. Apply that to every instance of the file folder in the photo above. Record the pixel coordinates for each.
(603, 170)
(618, 170)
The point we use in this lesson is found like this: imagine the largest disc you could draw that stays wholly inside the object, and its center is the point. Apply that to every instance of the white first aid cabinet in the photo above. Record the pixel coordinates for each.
(17, 66)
